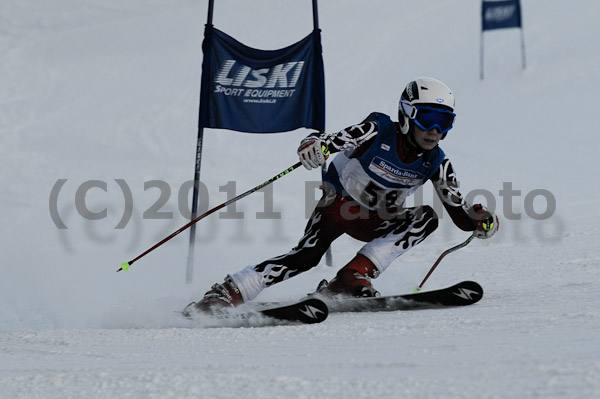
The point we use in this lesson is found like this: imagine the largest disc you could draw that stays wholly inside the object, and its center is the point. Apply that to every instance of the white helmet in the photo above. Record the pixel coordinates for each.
(427, 92)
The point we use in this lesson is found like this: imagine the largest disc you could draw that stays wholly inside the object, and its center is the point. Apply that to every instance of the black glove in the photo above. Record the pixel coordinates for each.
(486, 222)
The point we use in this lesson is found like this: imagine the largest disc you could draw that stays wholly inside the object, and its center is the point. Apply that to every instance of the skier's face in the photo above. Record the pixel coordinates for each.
(427, 139)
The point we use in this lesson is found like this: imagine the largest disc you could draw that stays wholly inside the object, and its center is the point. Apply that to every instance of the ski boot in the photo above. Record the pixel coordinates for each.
(219, 297)
(352, 280)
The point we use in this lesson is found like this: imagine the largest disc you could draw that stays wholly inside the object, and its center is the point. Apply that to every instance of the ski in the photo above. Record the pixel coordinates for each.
(316, 308)
(462, 294)
(306, 311)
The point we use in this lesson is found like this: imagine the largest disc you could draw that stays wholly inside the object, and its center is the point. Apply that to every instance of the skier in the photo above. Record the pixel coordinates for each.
(380, 164)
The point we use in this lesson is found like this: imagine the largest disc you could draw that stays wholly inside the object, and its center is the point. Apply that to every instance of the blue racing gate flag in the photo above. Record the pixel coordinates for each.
(500, 14)
(261, 91)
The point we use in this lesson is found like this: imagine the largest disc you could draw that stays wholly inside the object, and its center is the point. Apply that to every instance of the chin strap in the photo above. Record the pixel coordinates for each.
(403, 123)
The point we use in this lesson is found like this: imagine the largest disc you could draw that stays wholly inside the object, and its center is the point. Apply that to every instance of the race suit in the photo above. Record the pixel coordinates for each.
(366, 186)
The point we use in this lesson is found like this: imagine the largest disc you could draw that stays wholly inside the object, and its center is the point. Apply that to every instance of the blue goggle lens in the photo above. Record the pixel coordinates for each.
(428, 118)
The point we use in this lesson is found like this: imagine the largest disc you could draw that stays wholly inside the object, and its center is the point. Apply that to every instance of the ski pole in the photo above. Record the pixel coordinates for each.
(125, 265)
(446, 252)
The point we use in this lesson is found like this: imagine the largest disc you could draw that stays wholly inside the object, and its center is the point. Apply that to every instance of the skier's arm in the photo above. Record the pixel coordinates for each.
(310, 149)
(446, 186)
(465, 216)
(349, 138)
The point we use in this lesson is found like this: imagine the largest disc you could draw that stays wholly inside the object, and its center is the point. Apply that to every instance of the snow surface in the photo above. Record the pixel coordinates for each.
(106, 90)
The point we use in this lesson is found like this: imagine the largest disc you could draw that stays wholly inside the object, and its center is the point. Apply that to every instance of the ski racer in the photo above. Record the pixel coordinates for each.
(380, 163)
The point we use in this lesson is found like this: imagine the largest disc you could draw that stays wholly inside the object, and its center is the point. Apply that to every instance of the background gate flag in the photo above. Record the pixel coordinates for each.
(261, 91)
(500, 14)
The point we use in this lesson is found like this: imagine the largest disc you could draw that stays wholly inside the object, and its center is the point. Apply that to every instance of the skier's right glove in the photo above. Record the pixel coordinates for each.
(312, 153)
(486, 222)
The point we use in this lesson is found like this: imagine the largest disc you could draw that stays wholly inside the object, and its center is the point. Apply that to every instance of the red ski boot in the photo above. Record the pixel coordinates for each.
(354, 279)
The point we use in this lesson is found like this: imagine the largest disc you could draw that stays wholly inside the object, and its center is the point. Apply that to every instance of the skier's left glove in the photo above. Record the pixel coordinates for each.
(486, 222)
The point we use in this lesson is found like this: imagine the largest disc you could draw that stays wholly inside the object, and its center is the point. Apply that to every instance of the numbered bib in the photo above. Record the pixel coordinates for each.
(374, 193)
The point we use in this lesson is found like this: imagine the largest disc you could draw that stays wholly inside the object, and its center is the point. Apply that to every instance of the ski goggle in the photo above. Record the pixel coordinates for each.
(428, 118)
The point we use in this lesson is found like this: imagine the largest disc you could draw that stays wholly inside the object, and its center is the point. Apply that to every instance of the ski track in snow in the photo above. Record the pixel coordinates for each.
(105, 90)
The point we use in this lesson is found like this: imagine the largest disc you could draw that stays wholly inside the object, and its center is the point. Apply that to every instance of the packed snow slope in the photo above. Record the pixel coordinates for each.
(97, 96)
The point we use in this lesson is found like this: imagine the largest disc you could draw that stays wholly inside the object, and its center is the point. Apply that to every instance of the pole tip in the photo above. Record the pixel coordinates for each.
(124, 266)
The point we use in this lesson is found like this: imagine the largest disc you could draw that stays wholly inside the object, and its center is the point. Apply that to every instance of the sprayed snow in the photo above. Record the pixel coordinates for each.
(101, 90)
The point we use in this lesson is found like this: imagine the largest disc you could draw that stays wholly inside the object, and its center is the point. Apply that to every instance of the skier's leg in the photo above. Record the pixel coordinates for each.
(246, 284)
(320, 232)
(387, 240)
(410, 229)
